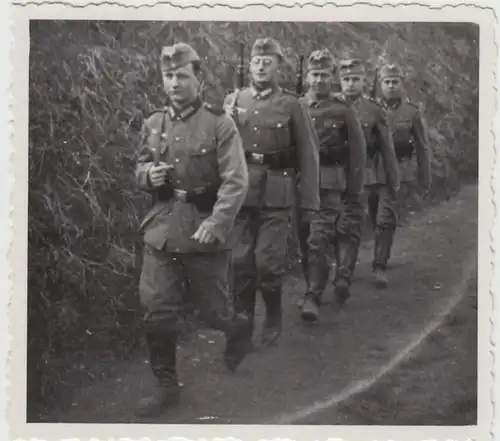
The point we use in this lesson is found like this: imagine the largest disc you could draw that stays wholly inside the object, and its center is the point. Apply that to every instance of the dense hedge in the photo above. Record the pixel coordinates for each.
(90, 82)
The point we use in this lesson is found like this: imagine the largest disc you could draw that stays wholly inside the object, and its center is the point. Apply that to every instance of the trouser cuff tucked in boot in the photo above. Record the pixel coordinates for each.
(317, 276)
(274, 314)
(383, 245)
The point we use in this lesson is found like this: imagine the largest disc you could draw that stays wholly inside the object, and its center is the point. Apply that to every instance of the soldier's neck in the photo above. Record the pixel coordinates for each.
(394, 102)
(317, 97)
(179, 106)
(264, 85)
(354, 97)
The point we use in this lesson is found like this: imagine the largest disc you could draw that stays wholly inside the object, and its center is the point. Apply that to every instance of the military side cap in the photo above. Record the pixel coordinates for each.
(266, 46)
(390, 70)
(177, 55)
(321, 59)
(351, 67)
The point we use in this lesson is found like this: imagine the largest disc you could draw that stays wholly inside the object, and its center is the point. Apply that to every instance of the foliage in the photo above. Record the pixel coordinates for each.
(90, 82)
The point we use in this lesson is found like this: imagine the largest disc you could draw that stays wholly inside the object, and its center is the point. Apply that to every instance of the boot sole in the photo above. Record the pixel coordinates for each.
(380, 284)
(342, 294)
(308, 316)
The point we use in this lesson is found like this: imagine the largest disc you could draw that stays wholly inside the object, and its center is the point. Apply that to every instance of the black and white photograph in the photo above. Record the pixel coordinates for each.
(240, 222)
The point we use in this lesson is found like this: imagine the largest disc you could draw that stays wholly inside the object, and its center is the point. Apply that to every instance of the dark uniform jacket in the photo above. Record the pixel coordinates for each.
(410, 139)
(281, 148)
(342, 144)
(381, 161)
(209, 181)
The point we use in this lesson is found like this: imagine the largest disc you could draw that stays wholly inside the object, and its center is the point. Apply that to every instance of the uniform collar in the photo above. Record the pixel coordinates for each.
(262, 94)
(355, 100)
(312, 101)
(186, 111)
(392, 104)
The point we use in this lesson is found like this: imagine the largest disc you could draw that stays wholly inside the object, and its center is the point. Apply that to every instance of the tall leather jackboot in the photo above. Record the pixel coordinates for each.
(238, 340)
(304, 230)
(383, 244)
(244, 300)
(162, 345)
(346, 261)
(274, 315)
(318, 271)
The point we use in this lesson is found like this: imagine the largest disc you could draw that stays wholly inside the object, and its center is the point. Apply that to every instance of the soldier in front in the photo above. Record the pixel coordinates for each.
(342, 161)
(281, 148)
(191, 159)
(381, 162)
(410, 140)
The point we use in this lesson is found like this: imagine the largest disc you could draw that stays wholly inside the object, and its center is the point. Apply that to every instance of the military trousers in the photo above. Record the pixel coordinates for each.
(337, 227)
(172, 283)
(259, 259)
(383, 213)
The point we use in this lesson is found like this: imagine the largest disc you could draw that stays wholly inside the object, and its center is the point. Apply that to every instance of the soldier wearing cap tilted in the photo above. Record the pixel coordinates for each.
(410, 138)
(280, 146)
(342, 159)
(191, 159)
(380, 156)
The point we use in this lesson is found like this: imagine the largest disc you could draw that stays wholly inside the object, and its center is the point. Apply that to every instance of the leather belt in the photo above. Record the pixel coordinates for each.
(276, 161)
(204, 198)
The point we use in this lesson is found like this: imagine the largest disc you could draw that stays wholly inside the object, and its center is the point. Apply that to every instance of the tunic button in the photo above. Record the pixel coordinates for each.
(314, 119)
(177, 138)
(279, 125)
(255, 129)
(256, 112)
(177, 160)
(203, 150)
(255, 145)
(164, 136)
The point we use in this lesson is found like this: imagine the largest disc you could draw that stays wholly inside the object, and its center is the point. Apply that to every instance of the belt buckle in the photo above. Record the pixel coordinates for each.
(181, 195)
(258, 157)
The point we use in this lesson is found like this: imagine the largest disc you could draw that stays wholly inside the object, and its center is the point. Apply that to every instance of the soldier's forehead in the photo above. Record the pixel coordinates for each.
(320, 70)
(184, 68)
(265, 56)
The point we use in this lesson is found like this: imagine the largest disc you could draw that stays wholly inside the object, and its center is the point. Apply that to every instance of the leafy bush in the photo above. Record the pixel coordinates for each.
(90, 84)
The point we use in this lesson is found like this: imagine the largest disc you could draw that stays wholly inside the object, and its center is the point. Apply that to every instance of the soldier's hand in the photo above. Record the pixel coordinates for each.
(158, 174)
(203, 235)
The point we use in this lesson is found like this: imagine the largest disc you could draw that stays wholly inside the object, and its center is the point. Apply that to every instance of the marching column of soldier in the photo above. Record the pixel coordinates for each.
(228, 182)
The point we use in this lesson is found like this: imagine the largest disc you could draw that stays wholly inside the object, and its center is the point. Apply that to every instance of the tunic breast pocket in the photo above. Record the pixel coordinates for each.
(202, 165)
(401, 131)
(367, 127)
(276, 133)
(331, 133)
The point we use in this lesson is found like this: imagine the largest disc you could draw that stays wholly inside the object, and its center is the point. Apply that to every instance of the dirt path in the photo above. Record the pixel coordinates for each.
(348, 347)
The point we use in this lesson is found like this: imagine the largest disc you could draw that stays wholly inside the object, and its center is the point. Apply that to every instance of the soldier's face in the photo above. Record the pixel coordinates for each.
(391, 87)
(352, 84)
(264, 69)
(181, 84)
(320, 80)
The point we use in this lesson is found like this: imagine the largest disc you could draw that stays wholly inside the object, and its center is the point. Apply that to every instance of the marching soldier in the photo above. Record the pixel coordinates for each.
(381, 161)
(281, 148)
(410, 138)
(342, 161)
(192, 161)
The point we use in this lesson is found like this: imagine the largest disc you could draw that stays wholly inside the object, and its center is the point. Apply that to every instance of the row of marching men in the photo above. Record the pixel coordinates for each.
(226, 182)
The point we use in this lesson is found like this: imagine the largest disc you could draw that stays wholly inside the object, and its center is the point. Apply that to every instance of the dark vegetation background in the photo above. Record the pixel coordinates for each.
(89, 84)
